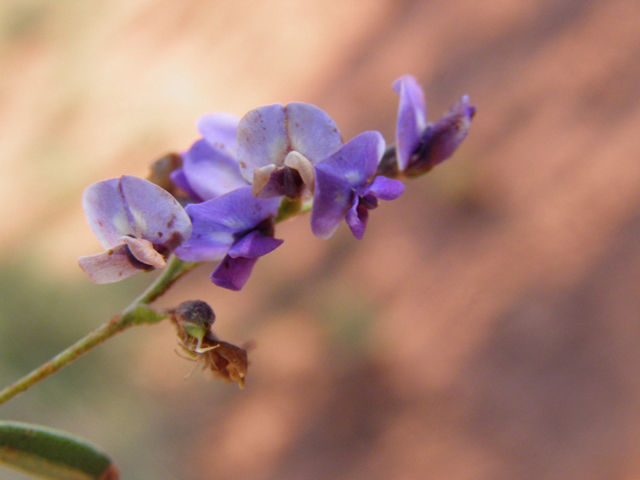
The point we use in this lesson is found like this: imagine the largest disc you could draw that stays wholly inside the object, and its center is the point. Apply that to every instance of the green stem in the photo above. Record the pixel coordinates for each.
(135, 314)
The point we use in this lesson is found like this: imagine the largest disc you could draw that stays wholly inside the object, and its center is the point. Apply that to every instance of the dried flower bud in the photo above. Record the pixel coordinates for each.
(193, 320)
(161, 170)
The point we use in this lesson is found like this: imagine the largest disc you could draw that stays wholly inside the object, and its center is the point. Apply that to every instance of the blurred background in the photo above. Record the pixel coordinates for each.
(486, 327)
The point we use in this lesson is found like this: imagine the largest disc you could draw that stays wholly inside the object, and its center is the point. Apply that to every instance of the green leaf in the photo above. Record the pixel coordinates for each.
(52, 454)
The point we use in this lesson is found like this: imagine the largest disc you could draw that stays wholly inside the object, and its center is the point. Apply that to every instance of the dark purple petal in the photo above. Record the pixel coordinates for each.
(356, 162)
(356, 218)
(332, 197)
(311, 131)
(443, 138)
(210, 172)
(281, 181)
(134, 207)
(262, 139)
(220, 130)
(411, 118)
(209, 241)
(233, 273)
(254, 245)
(110, 266)
(217, 221)
(385, 188)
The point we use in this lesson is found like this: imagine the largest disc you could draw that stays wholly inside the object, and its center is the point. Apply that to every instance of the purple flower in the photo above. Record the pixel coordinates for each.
(138, 223)
(278, 146)
(420, 146)
(210, 167)
(236, 228)
(344, 187)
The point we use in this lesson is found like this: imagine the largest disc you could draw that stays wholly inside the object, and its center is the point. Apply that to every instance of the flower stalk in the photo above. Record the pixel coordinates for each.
(135, 314)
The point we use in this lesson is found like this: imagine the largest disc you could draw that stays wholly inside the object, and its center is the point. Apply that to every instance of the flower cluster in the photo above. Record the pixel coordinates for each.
(239, 177)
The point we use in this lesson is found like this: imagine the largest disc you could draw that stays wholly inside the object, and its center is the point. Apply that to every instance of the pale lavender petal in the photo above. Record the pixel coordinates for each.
(233, 273)
(411, 118)
(110, 266)
(385, 188)
(154, 213)
(216, 221)
(444, 137)
(253, 245)
(311, 131)
(332, 198)
(144, 252)
(262, 139)
(210, 172)
(356, 162)
(106, 212)
(356, 218)
(220, 130)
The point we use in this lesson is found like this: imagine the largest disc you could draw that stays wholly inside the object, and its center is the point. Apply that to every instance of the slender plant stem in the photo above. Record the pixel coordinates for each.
(134, 314)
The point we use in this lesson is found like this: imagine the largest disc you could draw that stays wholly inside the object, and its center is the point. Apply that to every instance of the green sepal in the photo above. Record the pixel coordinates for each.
(288, 208)
(52, 454)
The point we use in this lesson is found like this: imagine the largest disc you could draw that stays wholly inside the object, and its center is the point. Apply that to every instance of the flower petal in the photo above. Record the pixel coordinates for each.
(262, 178)
(217, 221)
(303, 165)
(110, 266)
(311, 131)
(411, 118)
(356, 218)
(356, 162)
(385, 188)
(233, 273)
(332, 198)
(154, 213)
(211, 172)
(443, 138)
(262, 139)
(106, 212)
(254, 245)
(144, 252)
(180, 180)
(220, 130)
(266, 134)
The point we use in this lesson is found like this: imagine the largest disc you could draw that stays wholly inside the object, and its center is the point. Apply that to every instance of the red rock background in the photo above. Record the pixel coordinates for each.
(487, 327)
